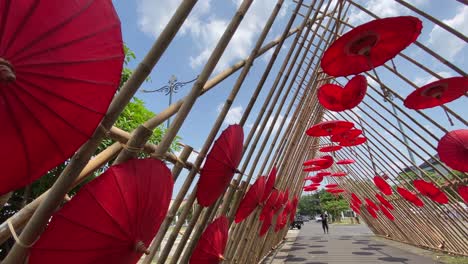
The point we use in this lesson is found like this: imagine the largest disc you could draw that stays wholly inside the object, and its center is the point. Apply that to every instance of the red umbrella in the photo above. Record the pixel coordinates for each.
(437, 93)
(335, 190)
(317, 179)
(60, 66)
(383, 186)
(269, 185)
(220, 165)
(384, 201)
(330, 148)
(210, 248)
(345, 162)
(293, 209)
(370, 45)
(112, 219)
(335, 98)
(331, 185)
(371, 204)
(350, 134)
(316, 162)
(371, 211)
(251, 199)
(270, 203)
(323, 173)
(353, 142)
(279, 202)
(313, 185)
(339, 174)
(387, 213)
(310, 188)
(463, 191)
(266, 222)
(355, 198)
(329, 128)
(283, 217)
(313, 168)
(453, 149)
(355, 209)
(285, 197)
(430, 190)
(409, 196)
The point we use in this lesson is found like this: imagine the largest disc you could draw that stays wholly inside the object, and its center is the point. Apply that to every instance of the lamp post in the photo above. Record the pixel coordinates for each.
(172, 87)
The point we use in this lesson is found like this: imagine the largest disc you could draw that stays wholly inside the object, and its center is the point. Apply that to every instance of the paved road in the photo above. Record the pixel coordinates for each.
(344, 244)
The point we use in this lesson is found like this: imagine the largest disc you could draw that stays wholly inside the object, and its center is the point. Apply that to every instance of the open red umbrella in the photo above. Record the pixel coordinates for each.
(220, 165)
(356, 199)
(251, 199)
(323, 173)
(313, 168)
(270, 203)
(313, 185)
(335, 98)
(330, 148)
(463, 191)
(282, 219)
(387, 213)
(316, 179)
(60, 66)
(384, 201)
(355, 208)
(316, 162)
(293, 209)
(345, 162)
(370, 203)
(266, 224)
(335, 190)
(453, 149)
(353, 142)
(329, 128)
(310, 188)
(370, 45)
(269, 185)
(210, 248)
(339, 174)
(331, 185)
(285, 197)
(430, 190)
(437, 93)
(409, 196)
(112, 219)
(383, 186)
(350, 134)
(371, 211)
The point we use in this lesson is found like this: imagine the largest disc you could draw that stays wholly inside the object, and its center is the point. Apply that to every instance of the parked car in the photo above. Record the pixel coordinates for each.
(297, 223)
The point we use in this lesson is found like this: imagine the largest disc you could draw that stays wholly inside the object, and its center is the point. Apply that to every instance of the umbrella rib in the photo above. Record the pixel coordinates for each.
(4, 19)
(122, 197)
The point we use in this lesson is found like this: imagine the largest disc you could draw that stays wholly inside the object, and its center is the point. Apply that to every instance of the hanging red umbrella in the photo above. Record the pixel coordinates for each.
(210, 248)
(251, 199)
(329, 128)
(463, 191)
(335, 98)
(383, 186)
(270, 203)
(335, 190)
(387, 213)
(60, 66)
(331, 185)
(112, 219)
(370, 45)
(266, 224)
(430, 190)
(339, 174)
(350, 134)
(269, 185)
(345, 162)
(316, 162)
(371, 204)
(355, 198)
(371, 211)
(279, 202)
(330, 148)
(285, 197)
(437, 93)
(453, 149)
(283, 217)
(409, 196)
(293, 209)
(317, 179)
(355, 209)
(310, 188)
(353, 142)
(313, 185)
(323, 173)
(384, 201)
(312, 168)
(220, 165)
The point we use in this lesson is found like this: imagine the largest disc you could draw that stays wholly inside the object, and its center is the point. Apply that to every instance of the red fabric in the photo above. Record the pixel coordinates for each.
(313, 168)
(220, 165)
(335, 190)
(330, 148)
(350, 134)
(355, 198)
(409, 196)
(269, 185)
(108, 216)
(331, 185)
(294, 208)
(68, 62)
(316, 179)
(355, 209)
(371, 211)
(251, 199)
(384, 201)
(345, 162)
(316, 161)
(310, 188)
(430, 190)
(266, 222)
(270, 203)
(279, 202)
(353, 142)
(329, 128)
(313, 185)
(453, 149)
(285, 197)
(463, 191)
(383, 186)
(370, 203)
(339, 174)
(282, 219)
(210, 248)
(387, 213)
(437, 93)
(323, 173)
(335, 98)
(370, 45)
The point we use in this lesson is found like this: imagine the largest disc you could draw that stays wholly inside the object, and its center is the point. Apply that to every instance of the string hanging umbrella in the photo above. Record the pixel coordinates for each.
(350, 134)
(316, 162)
(355, 208)
(210, 248)
(355, 198)
(323, 173)
(60, 66)
(269, 185)
(430, 190)
(331, 185)
(313, 168)
(329, 128)
(453, 149)
(353, 142)
(316, 179)
(387, 213)
(345, 162)
(313, 185)
(384, 201)
(371, 211)
(383, 186)
(370, 203)
(310, 188)
(335, 98)
(330, 148)
(251, 200)
(220, 165)
(334, 190)
(339, 174)
(410, 196)
(112, 219)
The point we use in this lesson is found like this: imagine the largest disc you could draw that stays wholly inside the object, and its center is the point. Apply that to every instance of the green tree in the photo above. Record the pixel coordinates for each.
(335, 207)
(309, 205)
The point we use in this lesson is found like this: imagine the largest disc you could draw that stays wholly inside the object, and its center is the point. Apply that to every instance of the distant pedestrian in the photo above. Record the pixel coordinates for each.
(324, 217)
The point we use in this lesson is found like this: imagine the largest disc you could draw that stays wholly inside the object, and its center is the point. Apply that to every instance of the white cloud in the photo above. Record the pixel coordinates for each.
(234, 114)
(421, 81)
(276, 125)
(444, 42)
(382, 8)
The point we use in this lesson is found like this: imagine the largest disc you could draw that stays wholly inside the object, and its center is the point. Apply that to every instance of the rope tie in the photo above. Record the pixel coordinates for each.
(17, 239)
(133, 149)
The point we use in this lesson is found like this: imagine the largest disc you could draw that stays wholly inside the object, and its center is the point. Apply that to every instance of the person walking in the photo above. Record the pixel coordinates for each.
(324, 217)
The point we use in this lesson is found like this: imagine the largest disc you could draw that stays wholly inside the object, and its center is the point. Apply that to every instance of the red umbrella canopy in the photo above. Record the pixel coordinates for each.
(339, 174)
(387, 213)
(285, 197)
(355, 198)
(331, 185)
(279, 202)
(283, 217)
(437, 93)
(316, 162)
(371, 204)
(371, 211)
(453, 149)
(335, 190)
(317, 179)
(270, 203)
(345, 162)
(350, 134)
(313, 185)
(384, 201)
(269, 185)
(313, 168)
(430, 190)
(251, 199)
(463, 191)
(353, 142)
(60, 66)
(383, 186)
(335, 98)
(330, 148)
(409, 196)
(220, 165)
(210, 248)
(370, 45)
(323, 173)
(329, 128)
(293, 209)
(355, 209)
(310, 188)
(266, 222)
(112, 219)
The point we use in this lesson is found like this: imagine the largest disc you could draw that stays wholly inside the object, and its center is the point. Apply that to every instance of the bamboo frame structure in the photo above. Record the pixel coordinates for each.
(398, 138)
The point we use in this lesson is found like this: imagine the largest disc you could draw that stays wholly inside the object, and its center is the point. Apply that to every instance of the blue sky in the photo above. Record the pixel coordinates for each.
(143, 20)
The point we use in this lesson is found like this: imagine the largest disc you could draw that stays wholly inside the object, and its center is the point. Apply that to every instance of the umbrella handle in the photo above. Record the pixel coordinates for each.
(7, 72)
(141, 248)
